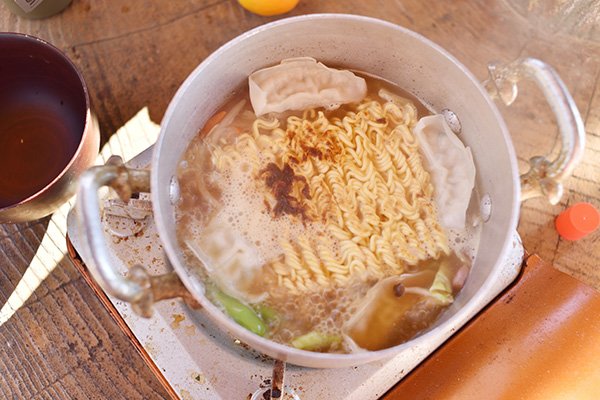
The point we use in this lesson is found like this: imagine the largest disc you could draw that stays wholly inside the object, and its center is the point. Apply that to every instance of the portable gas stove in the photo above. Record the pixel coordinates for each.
(195, 360)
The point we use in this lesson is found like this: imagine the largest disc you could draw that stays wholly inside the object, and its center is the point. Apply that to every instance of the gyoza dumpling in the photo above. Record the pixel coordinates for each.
(301, 83)
(451, 167)
(232, 262)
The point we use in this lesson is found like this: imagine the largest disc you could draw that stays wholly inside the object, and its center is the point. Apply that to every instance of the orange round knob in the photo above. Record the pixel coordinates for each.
(577, 221)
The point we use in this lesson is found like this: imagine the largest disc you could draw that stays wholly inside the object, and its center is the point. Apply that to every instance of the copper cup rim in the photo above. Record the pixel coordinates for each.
(88, 117)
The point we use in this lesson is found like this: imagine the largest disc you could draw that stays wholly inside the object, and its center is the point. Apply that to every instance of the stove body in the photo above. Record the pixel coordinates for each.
(198, 361)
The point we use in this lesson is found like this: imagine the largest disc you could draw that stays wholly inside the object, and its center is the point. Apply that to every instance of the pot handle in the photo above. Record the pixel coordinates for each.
(544, 177)
(137, 288)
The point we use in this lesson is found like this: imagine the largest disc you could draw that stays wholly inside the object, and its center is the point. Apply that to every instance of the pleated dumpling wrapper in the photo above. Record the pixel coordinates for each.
(301, 83)
(451, 167)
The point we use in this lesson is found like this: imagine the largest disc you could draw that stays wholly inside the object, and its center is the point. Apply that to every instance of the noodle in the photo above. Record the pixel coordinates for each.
(358, 179)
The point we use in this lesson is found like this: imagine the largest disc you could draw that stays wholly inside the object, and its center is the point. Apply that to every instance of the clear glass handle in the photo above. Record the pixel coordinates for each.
(545, 176)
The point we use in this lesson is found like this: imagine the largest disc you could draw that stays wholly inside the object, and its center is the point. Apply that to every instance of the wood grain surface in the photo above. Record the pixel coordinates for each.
(62, 344)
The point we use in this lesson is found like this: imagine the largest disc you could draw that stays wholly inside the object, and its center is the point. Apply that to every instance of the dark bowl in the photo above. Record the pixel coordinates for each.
(48, 136)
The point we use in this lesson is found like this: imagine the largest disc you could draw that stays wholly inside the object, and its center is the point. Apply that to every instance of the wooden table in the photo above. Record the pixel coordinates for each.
(63, 344)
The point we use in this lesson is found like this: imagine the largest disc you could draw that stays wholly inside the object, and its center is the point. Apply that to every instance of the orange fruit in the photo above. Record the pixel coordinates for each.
(267, 8)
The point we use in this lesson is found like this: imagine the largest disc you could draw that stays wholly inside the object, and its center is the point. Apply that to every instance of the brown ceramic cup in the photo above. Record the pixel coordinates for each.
(47, 134)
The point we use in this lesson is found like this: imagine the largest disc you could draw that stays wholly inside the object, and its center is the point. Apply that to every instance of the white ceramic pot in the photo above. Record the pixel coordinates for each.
(393, 53)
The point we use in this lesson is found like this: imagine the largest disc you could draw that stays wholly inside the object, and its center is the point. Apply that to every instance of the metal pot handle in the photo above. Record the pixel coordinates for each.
(544, 177)
(138, 287)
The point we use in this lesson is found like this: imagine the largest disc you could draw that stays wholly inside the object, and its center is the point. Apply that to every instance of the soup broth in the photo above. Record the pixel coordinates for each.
(38, 137)
(318, 228)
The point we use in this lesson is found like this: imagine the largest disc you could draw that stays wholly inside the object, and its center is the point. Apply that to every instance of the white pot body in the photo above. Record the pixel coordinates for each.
(378, 47)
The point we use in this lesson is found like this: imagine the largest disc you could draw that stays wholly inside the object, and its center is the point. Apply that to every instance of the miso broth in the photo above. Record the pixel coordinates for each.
(319, 226)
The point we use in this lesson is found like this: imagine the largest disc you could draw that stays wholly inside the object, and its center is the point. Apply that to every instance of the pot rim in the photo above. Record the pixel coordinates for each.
(282, 351)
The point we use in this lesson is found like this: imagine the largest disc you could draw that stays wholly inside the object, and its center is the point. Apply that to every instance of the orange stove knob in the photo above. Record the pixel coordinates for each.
(578, 221)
